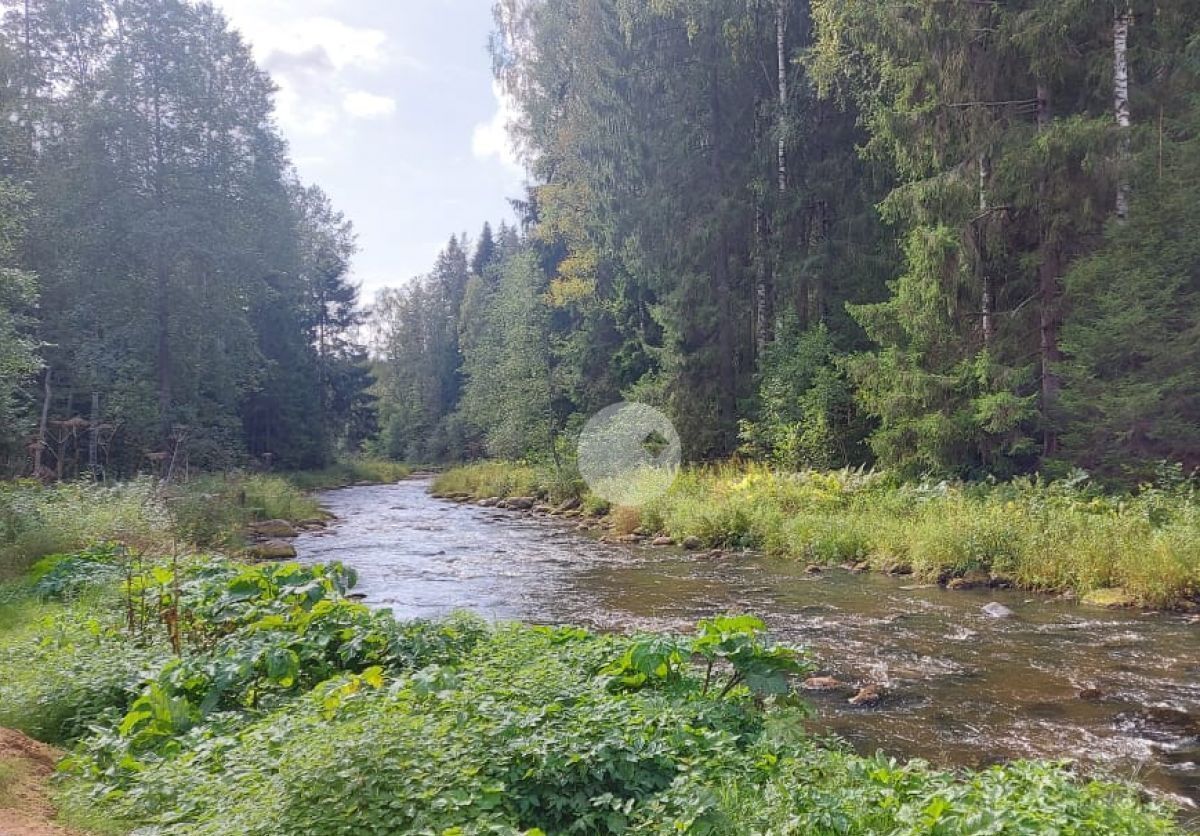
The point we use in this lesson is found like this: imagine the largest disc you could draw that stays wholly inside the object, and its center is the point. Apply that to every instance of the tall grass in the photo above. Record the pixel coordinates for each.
(1035, 535)
(350, 471)
(36, 521)
(491, 479)
(215, 510)
(1051, 537)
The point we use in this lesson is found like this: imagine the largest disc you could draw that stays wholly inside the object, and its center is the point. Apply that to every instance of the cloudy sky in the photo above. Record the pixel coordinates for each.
(390, 107)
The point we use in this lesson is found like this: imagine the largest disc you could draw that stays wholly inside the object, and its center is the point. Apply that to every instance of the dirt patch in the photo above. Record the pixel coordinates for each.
(25, 769)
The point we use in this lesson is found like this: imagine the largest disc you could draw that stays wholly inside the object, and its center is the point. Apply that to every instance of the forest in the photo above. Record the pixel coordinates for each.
(945, 239)
(173, 295)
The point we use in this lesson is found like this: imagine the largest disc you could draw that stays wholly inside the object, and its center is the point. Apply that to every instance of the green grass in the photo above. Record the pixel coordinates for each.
(378, 471)
(36, 521)
(1037, 536)
(1046, 537)
(207, 511)
(491, 479)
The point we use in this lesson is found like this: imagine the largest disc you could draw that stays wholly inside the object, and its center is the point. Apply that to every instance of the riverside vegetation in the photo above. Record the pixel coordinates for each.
(203, 696)
(1140, 548)
(212, 510)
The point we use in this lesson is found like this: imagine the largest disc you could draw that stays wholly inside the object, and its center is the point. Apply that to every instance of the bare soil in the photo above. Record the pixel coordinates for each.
(26, 766)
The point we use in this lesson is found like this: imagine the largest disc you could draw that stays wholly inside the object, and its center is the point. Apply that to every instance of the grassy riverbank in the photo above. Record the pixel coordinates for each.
(1139, 549)
(208, 511)
(226, 699)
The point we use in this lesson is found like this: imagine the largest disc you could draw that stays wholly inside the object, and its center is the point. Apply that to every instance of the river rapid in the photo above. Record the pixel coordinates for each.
(1117, 691)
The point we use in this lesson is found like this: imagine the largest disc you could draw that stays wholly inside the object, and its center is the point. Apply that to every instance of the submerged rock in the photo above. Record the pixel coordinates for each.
(997, 610)
(867, 696)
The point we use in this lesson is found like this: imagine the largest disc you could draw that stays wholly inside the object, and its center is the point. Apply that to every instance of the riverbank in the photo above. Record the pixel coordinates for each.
(279, 693)
(1067, 539)
(208, 511)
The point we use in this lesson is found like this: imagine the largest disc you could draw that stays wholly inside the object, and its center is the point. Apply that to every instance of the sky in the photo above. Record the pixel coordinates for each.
(390, 107)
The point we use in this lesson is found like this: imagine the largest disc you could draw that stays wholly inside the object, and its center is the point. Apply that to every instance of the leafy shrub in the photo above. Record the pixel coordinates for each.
(522, 731)
(63, 576)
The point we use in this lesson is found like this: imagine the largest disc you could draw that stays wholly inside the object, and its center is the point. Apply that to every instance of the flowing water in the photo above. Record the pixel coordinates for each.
(1117, 691)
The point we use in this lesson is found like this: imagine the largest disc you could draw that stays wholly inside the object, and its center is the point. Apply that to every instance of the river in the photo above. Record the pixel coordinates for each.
(1117, 691)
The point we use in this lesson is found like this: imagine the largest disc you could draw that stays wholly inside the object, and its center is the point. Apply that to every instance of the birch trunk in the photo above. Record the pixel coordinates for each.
(988, 302)
(1123, 19)
(781, 54)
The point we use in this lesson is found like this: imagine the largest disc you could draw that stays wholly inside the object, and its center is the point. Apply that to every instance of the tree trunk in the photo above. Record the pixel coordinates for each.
(727, 376)
(43, 423)
(1122, 19)
(1049, 290)
(764, 283)
(988, 303)
(163, 353)
(94, 438)
(781, 55)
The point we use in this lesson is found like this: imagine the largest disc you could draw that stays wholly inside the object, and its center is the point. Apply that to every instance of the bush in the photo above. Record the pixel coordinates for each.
(523, 731)
(36, 521)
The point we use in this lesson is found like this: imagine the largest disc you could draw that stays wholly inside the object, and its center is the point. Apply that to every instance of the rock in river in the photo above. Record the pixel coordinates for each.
(273, 550)
(822, 683)
(274, 529)
(692, 544)
(867, 696)
(997, 610)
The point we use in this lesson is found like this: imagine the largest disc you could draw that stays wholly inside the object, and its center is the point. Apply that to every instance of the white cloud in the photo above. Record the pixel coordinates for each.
(311, 57)
(492, 138)
(364, 105)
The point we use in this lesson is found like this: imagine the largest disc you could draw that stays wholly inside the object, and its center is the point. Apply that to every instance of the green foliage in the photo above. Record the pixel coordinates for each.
(349, 472)
(37, 521)
(18, 298)
(285, 694)
(807, 414)
(1045, 536)
(484, 480)
(215, 510)
(1131, 335)
(519, 731)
